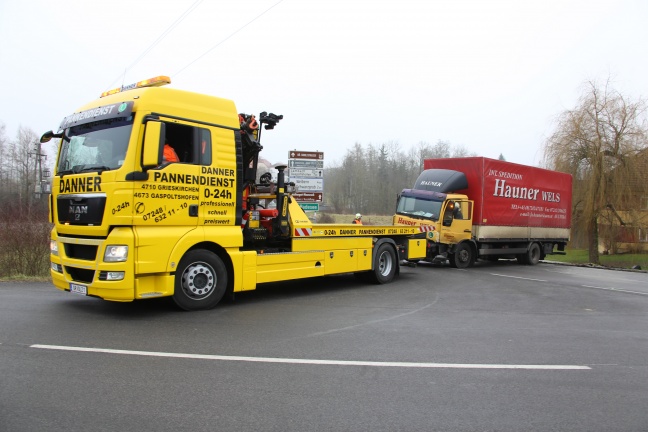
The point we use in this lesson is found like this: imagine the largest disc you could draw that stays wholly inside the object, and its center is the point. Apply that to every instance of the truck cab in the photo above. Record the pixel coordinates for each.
(446, 217)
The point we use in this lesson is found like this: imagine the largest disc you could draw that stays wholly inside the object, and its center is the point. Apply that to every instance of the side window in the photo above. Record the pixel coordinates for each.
(191, 144)
(463, 210)
(457, 210)
(205, 147)
(469, 210)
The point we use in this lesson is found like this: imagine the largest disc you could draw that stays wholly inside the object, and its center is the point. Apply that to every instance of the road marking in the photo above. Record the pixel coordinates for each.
(518, 277)
(584, 286)
(615, 289)
(374, 321)
(312, 361)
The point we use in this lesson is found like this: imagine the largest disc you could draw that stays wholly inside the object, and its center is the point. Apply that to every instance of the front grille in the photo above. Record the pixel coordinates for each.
(79, 251)
(81, 209)
(80, 275)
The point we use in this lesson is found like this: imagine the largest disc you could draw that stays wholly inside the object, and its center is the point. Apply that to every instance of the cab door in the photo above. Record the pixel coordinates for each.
(456, 221)
(170, 196)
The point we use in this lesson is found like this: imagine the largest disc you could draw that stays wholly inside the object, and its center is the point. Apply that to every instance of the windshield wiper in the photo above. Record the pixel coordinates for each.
(77, 169)
(98, 168)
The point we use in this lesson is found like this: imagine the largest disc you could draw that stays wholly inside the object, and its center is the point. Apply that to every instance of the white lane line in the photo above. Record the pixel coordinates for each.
(312, 361)
(615, 289)
(518, 277)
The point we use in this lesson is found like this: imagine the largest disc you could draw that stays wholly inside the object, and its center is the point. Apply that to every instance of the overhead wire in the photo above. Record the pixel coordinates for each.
(158, 40)
(226, 38)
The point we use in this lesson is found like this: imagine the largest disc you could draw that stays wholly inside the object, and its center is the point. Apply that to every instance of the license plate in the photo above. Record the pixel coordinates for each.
(78, 289)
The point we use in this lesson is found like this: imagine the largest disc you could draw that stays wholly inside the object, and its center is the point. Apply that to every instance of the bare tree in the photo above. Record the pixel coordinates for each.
(598, 143)
(370, 177)
(24, 159)
(4, 165)
(24, 228)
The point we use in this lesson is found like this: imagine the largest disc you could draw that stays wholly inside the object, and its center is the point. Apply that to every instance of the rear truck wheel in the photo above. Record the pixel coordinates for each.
(201, 280)
(385, 264)
(463, 257)
(533, 254)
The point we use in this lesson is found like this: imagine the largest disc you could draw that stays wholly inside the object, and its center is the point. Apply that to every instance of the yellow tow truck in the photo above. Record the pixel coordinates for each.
(131, 223)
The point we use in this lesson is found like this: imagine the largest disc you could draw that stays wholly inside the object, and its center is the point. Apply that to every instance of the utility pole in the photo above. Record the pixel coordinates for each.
(39, 169)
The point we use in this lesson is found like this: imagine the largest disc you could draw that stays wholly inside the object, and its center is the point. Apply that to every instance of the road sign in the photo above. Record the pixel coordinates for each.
(308, 184)
(306, 172)
(309, 206)
(305, 163)
(296, 154)
(309, 197)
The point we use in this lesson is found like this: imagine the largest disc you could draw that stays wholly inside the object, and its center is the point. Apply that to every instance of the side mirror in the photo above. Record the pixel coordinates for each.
(47, 136)
(153, 144)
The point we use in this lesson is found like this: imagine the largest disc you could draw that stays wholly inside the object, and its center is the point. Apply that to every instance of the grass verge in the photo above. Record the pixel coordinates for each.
(581, 256)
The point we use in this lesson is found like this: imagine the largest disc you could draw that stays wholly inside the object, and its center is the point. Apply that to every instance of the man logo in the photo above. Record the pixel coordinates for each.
(79, 209)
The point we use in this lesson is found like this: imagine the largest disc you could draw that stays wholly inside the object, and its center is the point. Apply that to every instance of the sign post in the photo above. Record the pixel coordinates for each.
(306, 170)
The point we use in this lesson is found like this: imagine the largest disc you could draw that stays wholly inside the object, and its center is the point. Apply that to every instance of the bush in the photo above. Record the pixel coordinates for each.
(24, 246)
(325, 218)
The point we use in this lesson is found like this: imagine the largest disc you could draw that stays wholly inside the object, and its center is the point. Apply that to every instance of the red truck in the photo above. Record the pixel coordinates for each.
(481, 208)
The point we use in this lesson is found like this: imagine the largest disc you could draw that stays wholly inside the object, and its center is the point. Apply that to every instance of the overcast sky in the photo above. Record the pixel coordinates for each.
(487, 75)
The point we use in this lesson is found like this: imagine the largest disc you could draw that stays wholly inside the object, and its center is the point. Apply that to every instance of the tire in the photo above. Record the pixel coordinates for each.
(533, 254)
(385, 264)
(200, 282)
(463, 257)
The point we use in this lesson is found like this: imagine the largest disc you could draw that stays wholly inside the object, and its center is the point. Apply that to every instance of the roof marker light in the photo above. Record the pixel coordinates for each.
(151, 82)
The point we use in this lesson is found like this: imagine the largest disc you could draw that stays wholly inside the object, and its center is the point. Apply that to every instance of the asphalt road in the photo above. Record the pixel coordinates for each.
(499, 347)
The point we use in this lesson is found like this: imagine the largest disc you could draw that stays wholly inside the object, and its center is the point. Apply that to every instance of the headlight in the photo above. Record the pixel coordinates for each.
(116, 253)
(53, 247)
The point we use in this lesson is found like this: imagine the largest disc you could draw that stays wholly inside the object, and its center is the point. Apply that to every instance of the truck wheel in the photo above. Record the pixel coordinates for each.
(385, 264)
(463, 256)
(533, 254)
(200, 282)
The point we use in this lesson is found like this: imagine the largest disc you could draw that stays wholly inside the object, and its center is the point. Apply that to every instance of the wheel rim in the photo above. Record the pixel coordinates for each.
(463, 256)
(199, 280)
(385, 263)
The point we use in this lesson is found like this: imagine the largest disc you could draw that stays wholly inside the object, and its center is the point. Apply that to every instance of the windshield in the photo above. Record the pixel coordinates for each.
(97, 146)
(419, 208)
